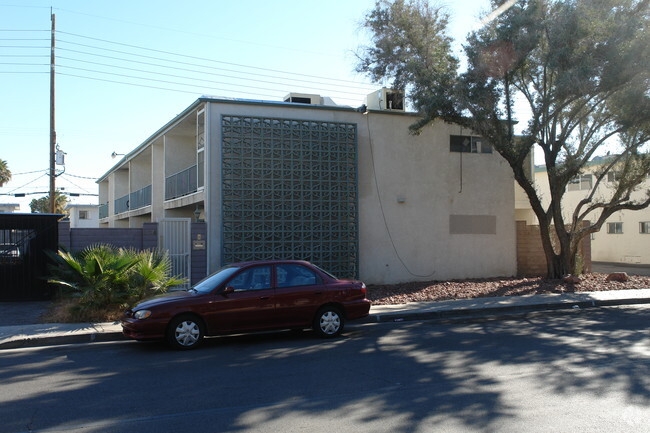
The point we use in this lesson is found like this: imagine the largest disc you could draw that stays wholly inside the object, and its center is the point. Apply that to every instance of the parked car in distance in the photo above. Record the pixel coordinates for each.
(246, 297)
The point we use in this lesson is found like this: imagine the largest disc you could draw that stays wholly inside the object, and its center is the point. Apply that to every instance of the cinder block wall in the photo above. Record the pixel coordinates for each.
(530, 253)
(76, 239)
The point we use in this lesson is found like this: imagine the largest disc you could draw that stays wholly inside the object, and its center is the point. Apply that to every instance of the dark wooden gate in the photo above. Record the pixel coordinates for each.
(24, 238)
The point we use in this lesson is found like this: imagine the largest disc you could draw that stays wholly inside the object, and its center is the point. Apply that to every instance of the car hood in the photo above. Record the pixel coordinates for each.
(164, 298)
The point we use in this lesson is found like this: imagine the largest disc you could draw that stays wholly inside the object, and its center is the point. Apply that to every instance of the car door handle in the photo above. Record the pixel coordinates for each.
(264, 298)
(318, 293)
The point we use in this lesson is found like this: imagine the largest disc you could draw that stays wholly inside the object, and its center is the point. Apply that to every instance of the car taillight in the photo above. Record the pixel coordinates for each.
(364, 290)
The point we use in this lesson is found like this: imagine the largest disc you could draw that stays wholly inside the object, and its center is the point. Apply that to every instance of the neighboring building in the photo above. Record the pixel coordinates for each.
(625, 237)
(83, 215)
(9, 207)
(348, 189)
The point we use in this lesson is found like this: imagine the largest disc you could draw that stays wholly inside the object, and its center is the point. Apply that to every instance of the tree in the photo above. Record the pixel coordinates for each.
(5, 173)
(580, 68)
(42, 205)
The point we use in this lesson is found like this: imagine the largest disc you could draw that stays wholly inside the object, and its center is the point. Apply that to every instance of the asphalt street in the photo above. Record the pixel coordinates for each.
(571, 371)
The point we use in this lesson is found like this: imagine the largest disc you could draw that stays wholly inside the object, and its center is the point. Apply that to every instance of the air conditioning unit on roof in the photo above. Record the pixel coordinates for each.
(303, 98)
(385, 99)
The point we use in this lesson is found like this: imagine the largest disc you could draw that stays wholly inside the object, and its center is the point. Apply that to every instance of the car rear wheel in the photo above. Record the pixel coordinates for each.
(185, 332)
(329, 322)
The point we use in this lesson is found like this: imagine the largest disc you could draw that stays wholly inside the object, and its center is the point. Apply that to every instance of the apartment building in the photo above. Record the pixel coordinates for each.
(347, 188)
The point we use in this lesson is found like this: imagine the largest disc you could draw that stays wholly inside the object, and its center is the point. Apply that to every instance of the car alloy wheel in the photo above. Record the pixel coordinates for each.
(185, 332)
(329, 322)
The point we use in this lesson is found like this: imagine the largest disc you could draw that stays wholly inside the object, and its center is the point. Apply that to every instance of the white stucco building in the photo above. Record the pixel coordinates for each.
(9, 207)
(348, 189)
(83, 215)
(625, 237)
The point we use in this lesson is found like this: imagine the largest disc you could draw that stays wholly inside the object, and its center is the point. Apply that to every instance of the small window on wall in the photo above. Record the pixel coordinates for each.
(579, 183)
(83, 214)
(469, 144)
(644, 227)
(613, 176)
(615, 228)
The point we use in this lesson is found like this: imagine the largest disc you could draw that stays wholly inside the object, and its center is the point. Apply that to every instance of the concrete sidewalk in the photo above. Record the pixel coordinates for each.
(56, 333)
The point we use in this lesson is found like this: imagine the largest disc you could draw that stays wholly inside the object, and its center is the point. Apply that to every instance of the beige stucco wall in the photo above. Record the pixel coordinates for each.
(140, 170)
(411, 188)
(629, 247)
(407, 236)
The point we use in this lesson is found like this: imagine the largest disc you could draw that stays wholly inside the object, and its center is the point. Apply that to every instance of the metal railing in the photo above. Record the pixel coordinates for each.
(103, 210)
(140, 198)
(181, 183)
(121, 204)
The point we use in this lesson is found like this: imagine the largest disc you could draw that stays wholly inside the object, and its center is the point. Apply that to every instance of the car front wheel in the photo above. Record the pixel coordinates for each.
(185, 332)
(329, 322)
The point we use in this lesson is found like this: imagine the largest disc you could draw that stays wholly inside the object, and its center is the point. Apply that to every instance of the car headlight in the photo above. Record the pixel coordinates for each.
(142, 314)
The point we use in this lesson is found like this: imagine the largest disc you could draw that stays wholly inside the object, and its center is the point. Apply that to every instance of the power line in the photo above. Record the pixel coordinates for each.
(80, 187)
(80, 177)
(176, 76)
(30, 182)
(23, 39)
(198, 58)
(29, 172)
(200, 72)
(203, 35)
(151, 87)
(195, 65)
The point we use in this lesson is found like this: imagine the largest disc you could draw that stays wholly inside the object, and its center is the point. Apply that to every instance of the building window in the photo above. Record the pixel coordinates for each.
(615, 228)
(644, 227)
(469, 144)
(83, 214)
(579, 183)
(613, 176)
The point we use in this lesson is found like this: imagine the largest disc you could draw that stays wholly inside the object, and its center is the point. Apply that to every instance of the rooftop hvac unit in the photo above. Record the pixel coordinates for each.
(386, 99)
(303, 98)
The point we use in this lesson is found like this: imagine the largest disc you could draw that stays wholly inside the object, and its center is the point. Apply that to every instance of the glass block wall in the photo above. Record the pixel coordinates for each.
(289, 191)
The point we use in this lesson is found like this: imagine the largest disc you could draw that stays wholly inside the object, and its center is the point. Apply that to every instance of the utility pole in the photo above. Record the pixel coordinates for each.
(52, 124)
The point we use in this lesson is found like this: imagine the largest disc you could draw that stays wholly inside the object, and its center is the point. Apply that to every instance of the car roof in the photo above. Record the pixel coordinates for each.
(268, 262)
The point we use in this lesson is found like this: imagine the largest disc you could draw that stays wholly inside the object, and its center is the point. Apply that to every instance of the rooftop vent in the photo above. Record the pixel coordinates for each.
(386, 99)
(303, 98)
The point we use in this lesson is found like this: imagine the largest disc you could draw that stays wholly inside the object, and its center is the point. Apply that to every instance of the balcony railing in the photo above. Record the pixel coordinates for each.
(121, 204)
(140, 198)
(103, 210)
(181, 183)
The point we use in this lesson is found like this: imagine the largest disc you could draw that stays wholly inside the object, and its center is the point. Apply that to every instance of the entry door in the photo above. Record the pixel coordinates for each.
(174, 235)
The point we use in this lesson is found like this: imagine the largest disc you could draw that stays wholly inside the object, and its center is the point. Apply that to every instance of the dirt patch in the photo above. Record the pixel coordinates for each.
(485, 287)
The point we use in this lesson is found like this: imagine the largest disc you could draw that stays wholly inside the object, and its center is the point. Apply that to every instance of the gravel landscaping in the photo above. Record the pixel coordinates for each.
(506, 286)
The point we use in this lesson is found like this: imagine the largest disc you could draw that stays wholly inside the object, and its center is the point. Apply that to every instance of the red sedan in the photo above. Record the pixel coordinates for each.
(250, 296)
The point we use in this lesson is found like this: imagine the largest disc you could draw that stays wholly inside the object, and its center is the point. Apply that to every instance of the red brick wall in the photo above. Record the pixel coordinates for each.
(530, 253)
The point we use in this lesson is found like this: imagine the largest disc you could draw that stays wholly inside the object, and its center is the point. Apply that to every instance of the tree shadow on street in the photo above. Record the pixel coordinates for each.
(397, 377)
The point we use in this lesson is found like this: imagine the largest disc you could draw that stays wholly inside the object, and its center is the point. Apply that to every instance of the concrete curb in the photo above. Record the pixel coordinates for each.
(37, 341)
(447, 315)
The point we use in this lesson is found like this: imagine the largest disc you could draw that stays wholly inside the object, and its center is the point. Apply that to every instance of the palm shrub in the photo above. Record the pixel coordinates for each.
(102, 279)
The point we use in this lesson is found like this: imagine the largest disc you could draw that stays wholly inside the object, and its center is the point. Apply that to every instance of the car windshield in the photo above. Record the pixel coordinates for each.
(209, 283)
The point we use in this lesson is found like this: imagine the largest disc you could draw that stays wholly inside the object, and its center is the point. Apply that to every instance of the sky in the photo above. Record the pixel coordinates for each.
(126, 68)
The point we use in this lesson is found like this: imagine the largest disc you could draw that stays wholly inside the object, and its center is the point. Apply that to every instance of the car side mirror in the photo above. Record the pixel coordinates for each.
(227, 290)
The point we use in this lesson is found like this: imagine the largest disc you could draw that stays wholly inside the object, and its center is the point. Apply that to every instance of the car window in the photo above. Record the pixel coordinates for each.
(209, 283)
(257, 278)
(289, 275)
